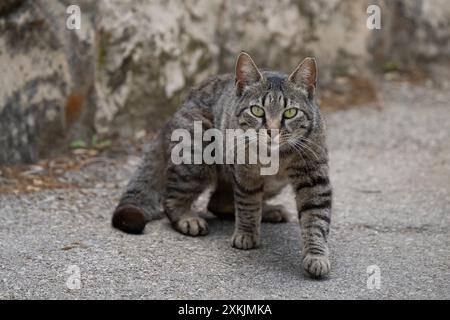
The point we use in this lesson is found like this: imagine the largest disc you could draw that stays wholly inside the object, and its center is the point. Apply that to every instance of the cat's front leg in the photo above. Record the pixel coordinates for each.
(185, 183)
(248, 197)
(313, 197)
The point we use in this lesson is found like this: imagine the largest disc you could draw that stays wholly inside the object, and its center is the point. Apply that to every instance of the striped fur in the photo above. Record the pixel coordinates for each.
(224, 102)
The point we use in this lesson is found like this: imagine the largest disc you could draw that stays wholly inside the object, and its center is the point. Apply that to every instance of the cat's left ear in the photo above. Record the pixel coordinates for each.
(247, 73)
(305, 76)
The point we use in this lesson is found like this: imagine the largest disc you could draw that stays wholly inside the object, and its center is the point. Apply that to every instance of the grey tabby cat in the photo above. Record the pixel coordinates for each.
(250, 99)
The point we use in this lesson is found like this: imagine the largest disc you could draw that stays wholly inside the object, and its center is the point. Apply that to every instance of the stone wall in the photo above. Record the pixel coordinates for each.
(46, 73)
(132, 61)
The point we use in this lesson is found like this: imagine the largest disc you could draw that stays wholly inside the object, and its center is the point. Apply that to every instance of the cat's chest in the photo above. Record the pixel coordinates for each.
(278, 180)
(275, 182)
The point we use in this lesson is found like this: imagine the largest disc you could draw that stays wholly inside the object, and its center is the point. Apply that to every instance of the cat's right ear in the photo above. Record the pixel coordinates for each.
(247, 73)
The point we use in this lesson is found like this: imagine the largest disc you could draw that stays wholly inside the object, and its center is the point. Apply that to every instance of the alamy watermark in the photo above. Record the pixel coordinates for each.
(73, 21)
(374, 279)
(74, 280)
(374, 20)
(236, 146)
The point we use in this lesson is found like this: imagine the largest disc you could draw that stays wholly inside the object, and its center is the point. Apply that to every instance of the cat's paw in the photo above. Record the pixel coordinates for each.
(192, 226)
(317, 266)
(245, 241)
(129, 218)
(274, 214)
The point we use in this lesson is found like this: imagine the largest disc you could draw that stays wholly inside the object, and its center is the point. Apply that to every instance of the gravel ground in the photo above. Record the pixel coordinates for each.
(391, 174)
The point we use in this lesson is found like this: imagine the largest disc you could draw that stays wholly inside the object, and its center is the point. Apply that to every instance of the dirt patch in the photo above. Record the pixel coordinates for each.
(43, 175)
(50, 173)
(348, 92)
(352, 91)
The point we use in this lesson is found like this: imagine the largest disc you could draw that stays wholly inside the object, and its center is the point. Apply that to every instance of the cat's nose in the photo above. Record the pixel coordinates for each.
(272, 128)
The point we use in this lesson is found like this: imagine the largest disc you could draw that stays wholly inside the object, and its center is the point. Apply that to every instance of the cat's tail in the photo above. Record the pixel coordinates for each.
(140, 203)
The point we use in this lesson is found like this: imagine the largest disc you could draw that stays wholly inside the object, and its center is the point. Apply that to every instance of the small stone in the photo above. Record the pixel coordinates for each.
(140, 134)
(38, 182)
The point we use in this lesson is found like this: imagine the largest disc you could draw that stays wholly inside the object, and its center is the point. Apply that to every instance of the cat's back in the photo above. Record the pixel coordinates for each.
(202, 103)
(210, 91)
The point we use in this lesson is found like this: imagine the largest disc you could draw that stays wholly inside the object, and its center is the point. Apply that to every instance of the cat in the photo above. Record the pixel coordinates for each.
(249, 99)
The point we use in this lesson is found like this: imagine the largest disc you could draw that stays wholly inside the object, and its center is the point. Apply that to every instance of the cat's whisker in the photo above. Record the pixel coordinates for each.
(307, 148)
(299, 151)
(305, 145)
(322, 170)
(312, 143)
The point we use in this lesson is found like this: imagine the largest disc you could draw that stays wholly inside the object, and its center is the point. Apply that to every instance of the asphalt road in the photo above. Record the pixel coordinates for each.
(391, 175)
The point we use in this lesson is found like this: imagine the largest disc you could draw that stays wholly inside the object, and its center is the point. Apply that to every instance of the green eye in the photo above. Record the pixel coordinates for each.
(290, 113)
(257, 111)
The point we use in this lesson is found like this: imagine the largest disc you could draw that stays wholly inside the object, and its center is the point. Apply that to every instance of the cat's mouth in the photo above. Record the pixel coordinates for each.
(270, 137)
(274, 142)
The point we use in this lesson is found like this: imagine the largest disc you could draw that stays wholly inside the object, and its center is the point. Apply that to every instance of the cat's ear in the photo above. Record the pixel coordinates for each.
(305, 76)
(247, 73)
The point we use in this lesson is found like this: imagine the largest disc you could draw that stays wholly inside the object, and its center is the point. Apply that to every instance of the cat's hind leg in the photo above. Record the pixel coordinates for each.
(221, 204)
(184, 184)
(274, 213)
(140, 203)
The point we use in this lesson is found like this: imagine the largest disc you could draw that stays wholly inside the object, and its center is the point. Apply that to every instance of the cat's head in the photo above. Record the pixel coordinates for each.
(270, 100)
